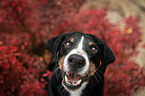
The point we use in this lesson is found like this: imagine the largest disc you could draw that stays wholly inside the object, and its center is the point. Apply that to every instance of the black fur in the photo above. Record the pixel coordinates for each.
(94, 87)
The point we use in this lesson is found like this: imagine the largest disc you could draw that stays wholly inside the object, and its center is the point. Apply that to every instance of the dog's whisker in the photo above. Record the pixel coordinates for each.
(63, 92)
(96, 79)
(59, 87)
(99, 76)
(99, 71)
(60, 73)
(55, 70)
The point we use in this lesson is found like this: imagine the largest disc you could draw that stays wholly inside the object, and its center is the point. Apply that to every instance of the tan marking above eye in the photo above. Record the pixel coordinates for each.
(91, 43)
(72, 39)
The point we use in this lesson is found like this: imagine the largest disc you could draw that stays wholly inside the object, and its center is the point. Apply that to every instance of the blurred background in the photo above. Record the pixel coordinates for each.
(27, 25)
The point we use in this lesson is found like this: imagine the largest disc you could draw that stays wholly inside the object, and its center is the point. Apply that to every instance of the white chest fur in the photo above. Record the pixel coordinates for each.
(78, 92)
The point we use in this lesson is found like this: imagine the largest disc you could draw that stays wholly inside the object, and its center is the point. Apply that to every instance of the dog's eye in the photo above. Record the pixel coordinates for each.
(67, 44)
(94, 49)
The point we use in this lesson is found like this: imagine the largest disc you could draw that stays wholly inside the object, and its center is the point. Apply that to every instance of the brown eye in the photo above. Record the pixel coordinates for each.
(94, 50)
(67, 44)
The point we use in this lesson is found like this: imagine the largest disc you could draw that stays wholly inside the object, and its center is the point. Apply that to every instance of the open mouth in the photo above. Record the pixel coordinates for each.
(73, 80)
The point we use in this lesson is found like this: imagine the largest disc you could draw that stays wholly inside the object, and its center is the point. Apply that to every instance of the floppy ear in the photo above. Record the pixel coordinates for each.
(53, 46)
(107, 55)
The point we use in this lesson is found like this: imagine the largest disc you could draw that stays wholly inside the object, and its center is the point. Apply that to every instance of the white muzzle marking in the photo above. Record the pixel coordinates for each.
(79, 51)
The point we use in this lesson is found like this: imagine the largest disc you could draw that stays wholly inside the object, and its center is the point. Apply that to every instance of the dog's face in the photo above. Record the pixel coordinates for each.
(79, 56)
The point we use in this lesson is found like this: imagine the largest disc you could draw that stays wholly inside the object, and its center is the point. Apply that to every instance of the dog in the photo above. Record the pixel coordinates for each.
(78, 63)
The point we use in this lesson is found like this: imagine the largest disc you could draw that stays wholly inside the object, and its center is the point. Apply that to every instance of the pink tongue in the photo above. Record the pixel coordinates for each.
(73, 76)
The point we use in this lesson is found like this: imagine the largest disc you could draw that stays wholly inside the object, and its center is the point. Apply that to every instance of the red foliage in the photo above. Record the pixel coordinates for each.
(15, 78)
(25, 27)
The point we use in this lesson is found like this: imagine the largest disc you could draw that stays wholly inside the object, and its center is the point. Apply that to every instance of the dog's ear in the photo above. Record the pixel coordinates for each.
(53, 46)
(107, 55)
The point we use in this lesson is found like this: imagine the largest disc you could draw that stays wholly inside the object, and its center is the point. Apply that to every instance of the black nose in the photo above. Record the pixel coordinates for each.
(76, 61)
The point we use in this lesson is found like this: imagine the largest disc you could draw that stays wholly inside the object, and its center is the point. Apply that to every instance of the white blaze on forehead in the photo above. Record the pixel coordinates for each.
(80, 45)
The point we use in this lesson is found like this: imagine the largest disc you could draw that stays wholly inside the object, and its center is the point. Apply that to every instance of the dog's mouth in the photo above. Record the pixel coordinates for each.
(73, 81)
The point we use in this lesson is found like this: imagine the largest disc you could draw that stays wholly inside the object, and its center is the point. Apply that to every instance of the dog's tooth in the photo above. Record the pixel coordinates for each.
(66, 79)
(78, 82)
(70, 83)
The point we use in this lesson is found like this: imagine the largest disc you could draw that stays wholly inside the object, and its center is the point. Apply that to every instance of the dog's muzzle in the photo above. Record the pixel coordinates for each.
(72, 79)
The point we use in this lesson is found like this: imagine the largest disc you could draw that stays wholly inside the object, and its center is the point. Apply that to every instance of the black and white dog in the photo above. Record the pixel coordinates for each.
(78, 64)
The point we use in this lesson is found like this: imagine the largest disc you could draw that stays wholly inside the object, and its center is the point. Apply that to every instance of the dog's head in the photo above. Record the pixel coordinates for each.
(79, 56)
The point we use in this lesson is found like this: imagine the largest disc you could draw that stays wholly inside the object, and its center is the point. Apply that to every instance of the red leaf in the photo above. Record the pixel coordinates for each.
(6, 65)
(14, 49)
(1, 42)
(143, 45)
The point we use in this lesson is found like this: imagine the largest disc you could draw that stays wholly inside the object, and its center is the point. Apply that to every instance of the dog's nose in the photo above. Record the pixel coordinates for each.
(76, 61)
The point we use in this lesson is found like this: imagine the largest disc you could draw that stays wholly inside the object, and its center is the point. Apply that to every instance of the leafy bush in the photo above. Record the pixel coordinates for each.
(15, 77)
(25, 27)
